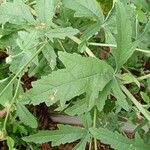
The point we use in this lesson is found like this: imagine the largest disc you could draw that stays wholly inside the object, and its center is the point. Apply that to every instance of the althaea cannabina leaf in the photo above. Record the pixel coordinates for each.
(65, 134)
(85, 8)
(125, 47)
(64, 84)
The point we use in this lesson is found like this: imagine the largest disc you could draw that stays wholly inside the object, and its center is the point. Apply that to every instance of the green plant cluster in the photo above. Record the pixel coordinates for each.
(62, 44)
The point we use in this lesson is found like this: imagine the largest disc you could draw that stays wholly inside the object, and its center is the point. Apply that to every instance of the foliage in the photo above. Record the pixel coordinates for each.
(83, 55)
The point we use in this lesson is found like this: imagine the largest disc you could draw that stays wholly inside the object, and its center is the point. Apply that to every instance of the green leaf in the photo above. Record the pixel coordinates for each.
(109, 36)
(90, 31)
(61, 33)
(86, 120)
(45, 10)
(116, 140)
(125, 47)
(10, 143)
(50, 55)
(27, 43)
(145, 97)
(65, 134)
(100, 101)
(25, 116)
(7, 96)
(82, 144)
(79, 107)
(121, 98)
(80, 74)
(129, 78)
(85, 8)
(15, 12)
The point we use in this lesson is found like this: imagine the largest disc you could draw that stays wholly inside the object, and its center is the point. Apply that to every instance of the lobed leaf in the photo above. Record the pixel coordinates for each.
(27, 43)
(65, 134)
(15, 12)
(64, 84)
(116, 140)
(85, 8)
(125, 47)
(45, 10)
(121, 98)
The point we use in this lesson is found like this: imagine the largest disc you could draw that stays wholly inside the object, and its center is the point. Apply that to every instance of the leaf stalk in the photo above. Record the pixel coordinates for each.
(115, 46)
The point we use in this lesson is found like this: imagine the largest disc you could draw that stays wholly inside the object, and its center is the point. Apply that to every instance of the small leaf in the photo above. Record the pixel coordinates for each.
(10, 143)
(116, 140)
(25, 116)
(129, 78)
(121, 98)
(100, 101)
(65, 134)
(50, 55)
(145, 98)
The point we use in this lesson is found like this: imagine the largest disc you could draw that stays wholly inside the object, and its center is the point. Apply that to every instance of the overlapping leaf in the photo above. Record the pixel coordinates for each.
(116, 140)
(80, 74)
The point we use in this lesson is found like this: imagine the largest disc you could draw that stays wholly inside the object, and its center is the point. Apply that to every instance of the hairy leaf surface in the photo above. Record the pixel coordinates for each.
(64, 84)
(45, 10)
(65, 134)
(27, 43)
(15, 12)
(61, 33)
(125, 47)
(117, 140)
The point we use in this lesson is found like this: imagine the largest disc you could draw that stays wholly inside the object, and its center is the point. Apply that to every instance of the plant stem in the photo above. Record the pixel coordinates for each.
(102, 44)
(139, 79)
(11, 104)
(143, 77)
(23, 67)
(136, 103)
(94, 125)
(90, 144)
(113, 45)
(61, 45)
